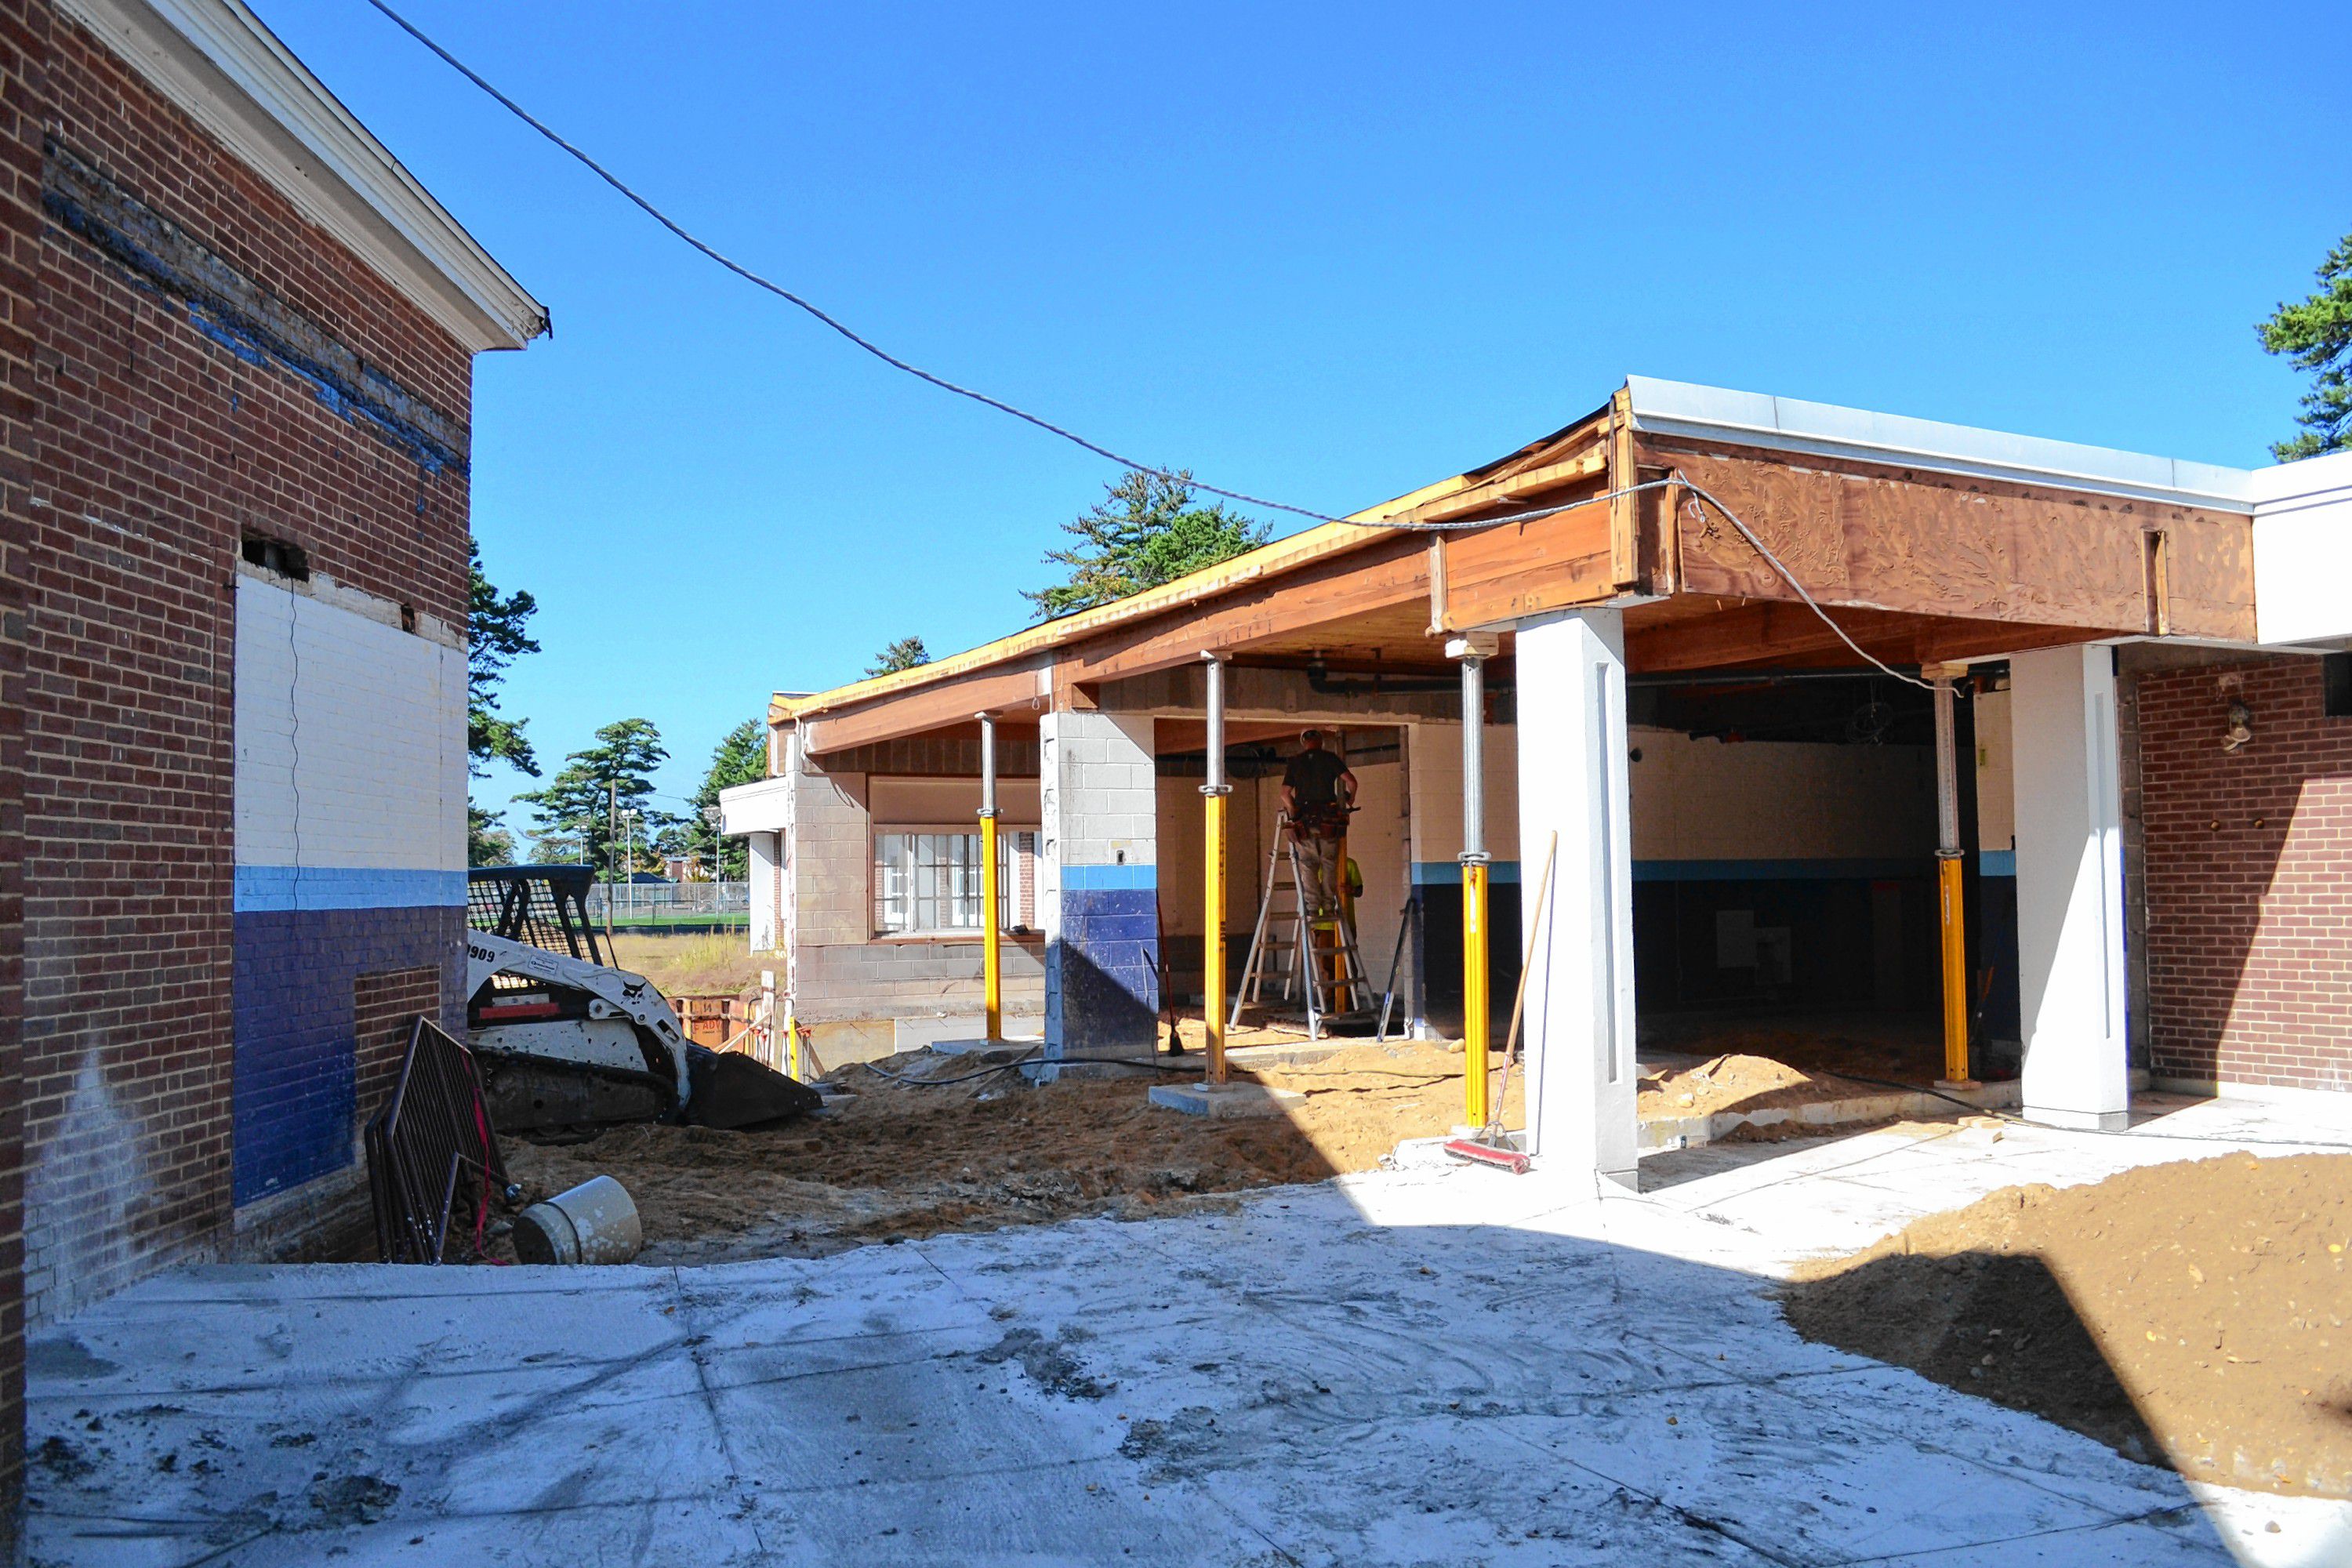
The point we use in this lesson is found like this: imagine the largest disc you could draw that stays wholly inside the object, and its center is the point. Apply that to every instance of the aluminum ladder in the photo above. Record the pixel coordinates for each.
(1310, 953)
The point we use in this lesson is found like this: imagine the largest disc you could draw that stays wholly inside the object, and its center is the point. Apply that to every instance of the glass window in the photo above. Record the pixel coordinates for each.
(927, 881)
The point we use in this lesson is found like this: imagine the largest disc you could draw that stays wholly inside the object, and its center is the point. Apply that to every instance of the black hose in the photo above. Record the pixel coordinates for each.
(1025, 1059)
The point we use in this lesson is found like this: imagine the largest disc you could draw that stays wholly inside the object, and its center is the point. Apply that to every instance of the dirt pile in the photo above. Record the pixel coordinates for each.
(1738, 1081)
(893, 1160)
(2198, 1312)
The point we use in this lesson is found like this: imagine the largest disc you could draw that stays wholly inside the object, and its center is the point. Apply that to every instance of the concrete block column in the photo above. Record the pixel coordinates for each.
(1098, 884)
(1573, 781)
(2070, 887)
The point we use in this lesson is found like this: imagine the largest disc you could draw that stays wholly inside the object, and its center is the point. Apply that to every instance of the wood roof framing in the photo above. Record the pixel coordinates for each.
(1918, 564)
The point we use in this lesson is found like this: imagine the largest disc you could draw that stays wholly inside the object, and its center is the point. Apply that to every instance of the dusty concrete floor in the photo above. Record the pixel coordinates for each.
(1429, 1364)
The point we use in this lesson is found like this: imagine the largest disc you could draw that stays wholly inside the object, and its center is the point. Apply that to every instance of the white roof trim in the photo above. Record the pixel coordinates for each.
(764, 806)
(2304, 483)
(219, 64)
(1825, 430)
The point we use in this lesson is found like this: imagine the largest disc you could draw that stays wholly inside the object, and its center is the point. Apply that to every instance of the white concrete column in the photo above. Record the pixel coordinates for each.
(1098, 883)
(1573, 782)
(2070, 886)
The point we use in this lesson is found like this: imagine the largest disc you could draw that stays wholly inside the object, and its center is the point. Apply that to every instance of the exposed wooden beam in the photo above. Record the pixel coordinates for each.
(1524, 568)
(1585, 465)
(1390, 573)
(1953, 642)
(1764, 632)
(951, 701)
(1926, 543)
(1624, 515)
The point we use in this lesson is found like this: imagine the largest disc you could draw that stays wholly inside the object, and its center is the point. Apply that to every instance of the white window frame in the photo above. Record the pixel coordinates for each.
(895, 867)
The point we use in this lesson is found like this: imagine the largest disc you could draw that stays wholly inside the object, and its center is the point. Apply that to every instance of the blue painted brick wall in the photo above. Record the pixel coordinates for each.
(294, 1039)
(1108, 965)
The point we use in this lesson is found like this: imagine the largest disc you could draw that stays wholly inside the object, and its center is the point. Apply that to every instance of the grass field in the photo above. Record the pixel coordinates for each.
(691, 963)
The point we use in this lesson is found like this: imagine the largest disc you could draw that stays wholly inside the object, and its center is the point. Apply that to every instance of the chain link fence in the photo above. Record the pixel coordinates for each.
(671, 903)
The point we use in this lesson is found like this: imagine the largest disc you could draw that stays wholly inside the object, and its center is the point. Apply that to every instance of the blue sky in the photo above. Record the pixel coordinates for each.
(1321, 253)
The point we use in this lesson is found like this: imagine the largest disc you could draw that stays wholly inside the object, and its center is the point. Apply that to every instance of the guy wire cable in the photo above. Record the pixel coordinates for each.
(944, 384)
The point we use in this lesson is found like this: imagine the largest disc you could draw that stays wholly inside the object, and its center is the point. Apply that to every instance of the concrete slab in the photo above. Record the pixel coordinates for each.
(1224, 1098)
(1013, 1045)
(1406, 1366)
(1690, 1132)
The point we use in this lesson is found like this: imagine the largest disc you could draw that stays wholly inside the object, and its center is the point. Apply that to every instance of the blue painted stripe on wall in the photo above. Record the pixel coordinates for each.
(1448, 873)
(262, 889)
(294, 1061)
(1822, 870)
(1997, 863)
(1106, 879)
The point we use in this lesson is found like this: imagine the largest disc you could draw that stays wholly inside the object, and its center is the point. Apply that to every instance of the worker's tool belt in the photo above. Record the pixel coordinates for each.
(1322, 821)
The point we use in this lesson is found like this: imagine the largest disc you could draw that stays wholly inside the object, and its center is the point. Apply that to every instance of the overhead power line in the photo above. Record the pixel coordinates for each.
(944, 384)
(778, 289)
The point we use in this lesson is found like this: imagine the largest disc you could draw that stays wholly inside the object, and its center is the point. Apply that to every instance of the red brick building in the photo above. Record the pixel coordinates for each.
(237, 339)
(2247, 858)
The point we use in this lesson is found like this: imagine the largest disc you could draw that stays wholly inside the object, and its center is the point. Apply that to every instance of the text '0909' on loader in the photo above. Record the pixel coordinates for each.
(568, 1044)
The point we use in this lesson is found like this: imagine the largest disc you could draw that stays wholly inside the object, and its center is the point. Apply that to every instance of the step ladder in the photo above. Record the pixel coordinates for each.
(1307, 954)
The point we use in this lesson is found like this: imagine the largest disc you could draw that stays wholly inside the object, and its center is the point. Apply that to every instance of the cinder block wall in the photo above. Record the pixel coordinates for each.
(1097, 882)
(847, 985)
(2248, 876)
(155, 444)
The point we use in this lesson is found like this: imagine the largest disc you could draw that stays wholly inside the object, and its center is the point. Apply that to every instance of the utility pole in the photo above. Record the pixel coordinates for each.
(710, 815)
(612, 831)
(629, 857)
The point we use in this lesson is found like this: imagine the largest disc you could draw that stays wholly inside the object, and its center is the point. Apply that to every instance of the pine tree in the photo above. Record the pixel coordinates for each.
(573, 812)
(2316, 334)
(740, 758)
(495, 638)
(1146, 533)
(905, 654)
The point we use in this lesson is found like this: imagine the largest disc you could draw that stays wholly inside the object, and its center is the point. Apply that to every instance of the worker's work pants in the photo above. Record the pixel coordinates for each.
(1319, 858)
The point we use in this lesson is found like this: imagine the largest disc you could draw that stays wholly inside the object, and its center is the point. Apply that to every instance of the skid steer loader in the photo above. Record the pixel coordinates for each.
(568, 1044)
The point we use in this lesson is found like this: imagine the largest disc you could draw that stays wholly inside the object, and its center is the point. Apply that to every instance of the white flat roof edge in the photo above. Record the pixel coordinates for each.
(1826, 429)
(2310, 482)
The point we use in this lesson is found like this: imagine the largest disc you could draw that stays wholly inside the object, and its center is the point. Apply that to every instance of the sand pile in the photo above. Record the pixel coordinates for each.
(2198, 1312)
(1738, 1081)
(896, 1161)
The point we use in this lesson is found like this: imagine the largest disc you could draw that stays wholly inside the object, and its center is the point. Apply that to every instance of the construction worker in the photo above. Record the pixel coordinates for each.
(1318, 793)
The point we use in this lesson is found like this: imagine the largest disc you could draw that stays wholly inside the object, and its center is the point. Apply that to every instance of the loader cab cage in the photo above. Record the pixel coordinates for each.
(546, 906)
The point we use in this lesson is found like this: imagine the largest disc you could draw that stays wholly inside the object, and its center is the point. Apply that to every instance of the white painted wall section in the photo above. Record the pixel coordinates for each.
(351, 757)
(761, 814)
(1572, 782)
(1779, 800)
(2070, 886)
(2303, 550)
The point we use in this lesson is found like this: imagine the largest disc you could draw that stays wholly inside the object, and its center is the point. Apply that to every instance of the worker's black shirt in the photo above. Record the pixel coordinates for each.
(1313, 778)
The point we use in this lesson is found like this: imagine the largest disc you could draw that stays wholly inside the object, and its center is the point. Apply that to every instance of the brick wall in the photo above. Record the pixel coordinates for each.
(23, 28)
(386, 1005)
(2248, 877)
(164, 433)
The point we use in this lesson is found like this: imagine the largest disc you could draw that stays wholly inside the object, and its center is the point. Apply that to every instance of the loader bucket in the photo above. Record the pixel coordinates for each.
(731, 1090)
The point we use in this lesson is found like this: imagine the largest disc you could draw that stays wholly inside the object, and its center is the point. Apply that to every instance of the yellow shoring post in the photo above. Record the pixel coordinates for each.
(992, 940)
(1212, 857)
(1956, 970)
(1474, 992)
(1475, 1003)
(1948, 889)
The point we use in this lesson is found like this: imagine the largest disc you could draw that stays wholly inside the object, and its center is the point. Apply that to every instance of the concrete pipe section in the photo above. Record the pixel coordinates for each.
(595, 1222)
